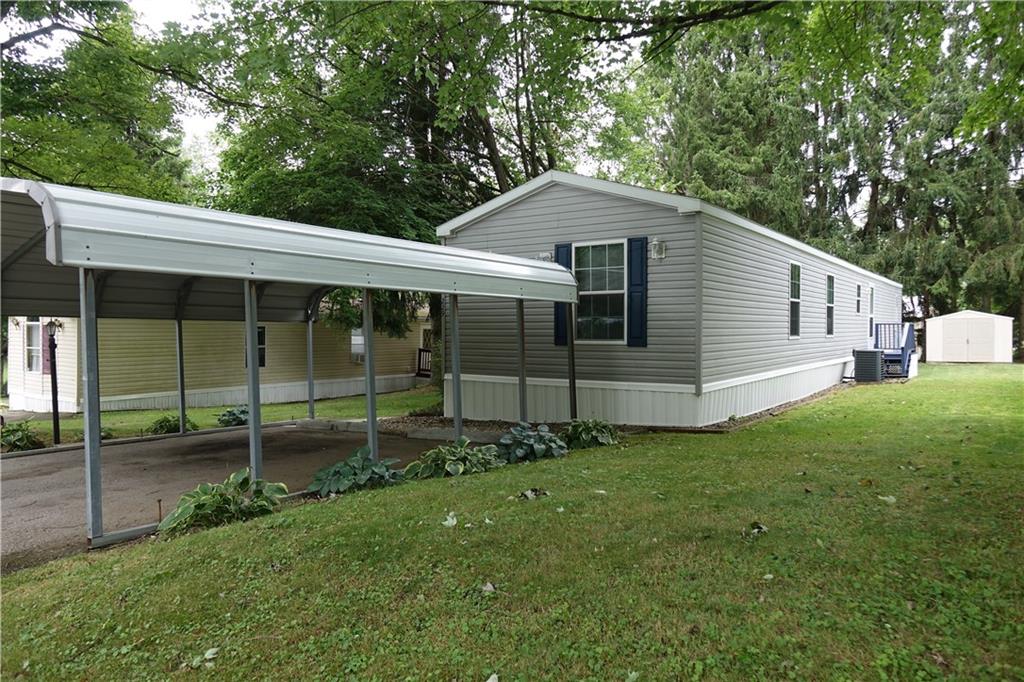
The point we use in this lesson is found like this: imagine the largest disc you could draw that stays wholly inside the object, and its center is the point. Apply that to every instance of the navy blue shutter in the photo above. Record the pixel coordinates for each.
(563, 256)
(636, 292)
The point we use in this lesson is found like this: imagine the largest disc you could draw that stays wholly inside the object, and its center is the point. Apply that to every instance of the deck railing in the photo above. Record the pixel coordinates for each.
(423, 362)
(896, 338)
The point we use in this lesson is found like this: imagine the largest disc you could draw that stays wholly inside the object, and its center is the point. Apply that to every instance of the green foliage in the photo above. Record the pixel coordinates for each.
(168, 423)
(234, 416)
(523, 443)
(238, 498)
(454, 459)
(90, 116)
(357, 472)
(18, 436)
(581, 434)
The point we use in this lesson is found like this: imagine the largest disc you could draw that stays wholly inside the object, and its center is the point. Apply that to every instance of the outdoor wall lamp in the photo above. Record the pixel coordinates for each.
(51, 330)
(658, 249)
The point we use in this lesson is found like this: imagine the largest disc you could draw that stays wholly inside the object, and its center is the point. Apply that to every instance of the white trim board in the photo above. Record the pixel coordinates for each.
(660, 388)
(682, 204)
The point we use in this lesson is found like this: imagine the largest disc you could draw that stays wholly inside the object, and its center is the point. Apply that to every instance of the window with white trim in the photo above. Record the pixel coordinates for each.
(794, 300)
(33, 344)
(871, 312)
(261, 346)
(600, 269)
(358, 345)
(859, 295)
(830, 305)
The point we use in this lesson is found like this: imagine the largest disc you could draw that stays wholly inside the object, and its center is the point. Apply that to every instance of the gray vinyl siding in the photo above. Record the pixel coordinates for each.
(560, 214)
(745, 325)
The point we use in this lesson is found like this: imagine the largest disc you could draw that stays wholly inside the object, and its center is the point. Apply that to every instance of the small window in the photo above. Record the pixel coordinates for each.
(261, 346)
(600, 270)
(830, 305)
(33, 344)
(871, 312)
(358, 345)
(427, 338)
(794, 300)
(859, 296)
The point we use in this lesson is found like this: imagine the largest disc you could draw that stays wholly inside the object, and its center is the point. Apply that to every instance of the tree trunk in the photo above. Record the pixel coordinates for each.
(437, 343)
(490, 140)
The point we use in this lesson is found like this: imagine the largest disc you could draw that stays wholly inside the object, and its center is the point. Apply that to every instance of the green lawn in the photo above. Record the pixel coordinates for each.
(125, 423)
(894, 551)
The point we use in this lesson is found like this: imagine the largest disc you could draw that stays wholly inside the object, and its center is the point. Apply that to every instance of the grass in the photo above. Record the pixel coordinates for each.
(125, 423)
(893, 551)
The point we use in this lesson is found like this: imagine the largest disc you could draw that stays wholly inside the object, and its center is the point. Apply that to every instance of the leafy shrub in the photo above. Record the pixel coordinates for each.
(523, 442)
(166, 424)
(18, 436)
(355, 473)
(581, 434)
(234, 416)
(239, 498)
(454, 459)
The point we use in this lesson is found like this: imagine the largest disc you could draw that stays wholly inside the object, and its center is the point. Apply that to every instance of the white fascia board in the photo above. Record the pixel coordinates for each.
(680, 203)
(114, 232)
(739, 221)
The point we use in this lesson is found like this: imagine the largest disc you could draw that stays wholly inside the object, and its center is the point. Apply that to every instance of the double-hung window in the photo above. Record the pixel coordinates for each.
(794, 300)
(859, 287)
(358, 345)
(600, 269)
(830, 305)
(261, 346)
(33, 344)
(871, 312)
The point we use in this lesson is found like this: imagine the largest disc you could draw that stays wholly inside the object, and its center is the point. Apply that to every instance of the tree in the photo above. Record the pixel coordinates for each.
(87, 116)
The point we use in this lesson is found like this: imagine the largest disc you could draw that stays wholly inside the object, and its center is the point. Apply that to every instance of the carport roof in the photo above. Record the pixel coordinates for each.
(161, 260)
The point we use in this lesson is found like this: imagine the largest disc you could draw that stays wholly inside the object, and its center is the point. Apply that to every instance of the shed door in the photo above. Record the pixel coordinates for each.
(982, 339)
(955, 341)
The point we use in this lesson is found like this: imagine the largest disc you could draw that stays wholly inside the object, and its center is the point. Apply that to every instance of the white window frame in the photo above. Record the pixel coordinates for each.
(830, 306)
(259, 346)
(871, 312)
(798, 300)
(38, 322)
(625, 288)
(860, 299)
(357, 357)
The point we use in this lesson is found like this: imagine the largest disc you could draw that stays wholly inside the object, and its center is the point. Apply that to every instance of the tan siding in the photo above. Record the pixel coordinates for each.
(138, 356)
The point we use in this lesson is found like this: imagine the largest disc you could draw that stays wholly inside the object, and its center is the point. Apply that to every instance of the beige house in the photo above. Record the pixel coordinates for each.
(138, 370)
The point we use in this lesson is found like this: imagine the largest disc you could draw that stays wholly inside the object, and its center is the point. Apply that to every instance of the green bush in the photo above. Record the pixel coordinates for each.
(524, 443)
(581, 434)
(166, 424)
(234, 416)
(355, 473)
(454, 459)
(435, 410)
(18, 436)
(239, 498)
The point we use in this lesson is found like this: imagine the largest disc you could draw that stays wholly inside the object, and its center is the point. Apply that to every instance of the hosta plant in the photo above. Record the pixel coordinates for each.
(234, 416)
(525, 443)
(167, 424)
(239, 498)
(355, 473)
(454, 459)
(18, 436)
(589, 433)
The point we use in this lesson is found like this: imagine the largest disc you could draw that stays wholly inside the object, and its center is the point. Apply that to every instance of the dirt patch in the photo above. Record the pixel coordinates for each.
(43, 513)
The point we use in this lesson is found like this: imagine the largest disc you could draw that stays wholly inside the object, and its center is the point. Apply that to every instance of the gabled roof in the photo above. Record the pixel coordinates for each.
(151, 253)
(682, 204)
(970, 313)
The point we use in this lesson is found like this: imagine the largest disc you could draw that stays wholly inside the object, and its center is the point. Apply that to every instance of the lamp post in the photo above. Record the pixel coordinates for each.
(51, 330)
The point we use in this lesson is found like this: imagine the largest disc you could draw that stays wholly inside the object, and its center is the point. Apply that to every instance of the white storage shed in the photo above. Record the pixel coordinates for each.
(969, 336)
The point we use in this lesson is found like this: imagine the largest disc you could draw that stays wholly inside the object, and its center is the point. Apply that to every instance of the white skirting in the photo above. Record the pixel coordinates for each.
(40, 403)
(288, 392)
(649, 404)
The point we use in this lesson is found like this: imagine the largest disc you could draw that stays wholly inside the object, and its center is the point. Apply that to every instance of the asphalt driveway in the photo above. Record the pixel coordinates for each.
(42, 497)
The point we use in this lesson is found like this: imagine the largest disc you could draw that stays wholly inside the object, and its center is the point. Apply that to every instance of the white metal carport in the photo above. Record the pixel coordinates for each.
(75, 252)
